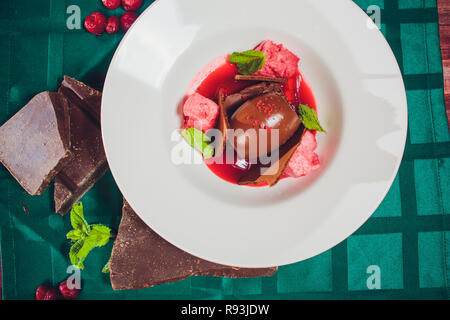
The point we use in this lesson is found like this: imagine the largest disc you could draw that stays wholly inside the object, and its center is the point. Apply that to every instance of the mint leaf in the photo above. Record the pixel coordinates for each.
(74, 254)
(97, 237)
(86, 237)
(77, 218)
(75, 235)
(309, 118)
(248, 62)
(198, 140)
(100, 234)
(106, 267)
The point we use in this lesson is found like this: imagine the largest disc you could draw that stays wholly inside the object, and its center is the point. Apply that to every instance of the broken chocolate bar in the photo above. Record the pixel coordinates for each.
(35, 142)
(89, 160)
(141, 258)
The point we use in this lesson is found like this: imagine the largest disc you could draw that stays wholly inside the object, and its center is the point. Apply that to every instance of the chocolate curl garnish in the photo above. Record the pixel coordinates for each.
(259, 78)
(260, 174)
(222, 126)
(233, 101)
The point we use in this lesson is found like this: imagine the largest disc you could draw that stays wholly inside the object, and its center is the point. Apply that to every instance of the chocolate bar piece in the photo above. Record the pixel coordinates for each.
(35, 142)
(89, 160)
(141, 258)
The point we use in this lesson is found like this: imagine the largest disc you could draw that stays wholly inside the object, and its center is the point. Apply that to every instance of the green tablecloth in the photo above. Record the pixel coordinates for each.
(403, 251)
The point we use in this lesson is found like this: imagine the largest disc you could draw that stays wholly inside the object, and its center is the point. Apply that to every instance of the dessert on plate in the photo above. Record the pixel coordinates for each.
(253, 116)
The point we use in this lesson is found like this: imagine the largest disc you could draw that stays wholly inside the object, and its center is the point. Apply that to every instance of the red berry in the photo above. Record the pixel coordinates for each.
(68, 293)
(111, 4)
(95, 23)
(113, 25)
(46, 293)
(131, 5)
(127, 19)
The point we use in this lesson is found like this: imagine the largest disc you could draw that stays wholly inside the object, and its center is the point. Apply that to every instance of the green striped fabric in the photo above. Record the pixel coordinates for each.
(402, 251)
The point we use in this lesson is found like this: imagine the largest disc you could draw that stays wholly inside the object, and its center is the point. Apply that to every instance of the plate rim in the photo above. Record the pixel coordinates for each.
(399, 161)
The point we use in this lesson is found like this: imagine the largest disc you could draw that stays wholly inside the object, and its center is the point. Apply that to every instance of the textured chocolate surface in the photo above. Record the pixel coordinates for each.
(264, 113)
(89, 160)
(141, 258)
(35, 142)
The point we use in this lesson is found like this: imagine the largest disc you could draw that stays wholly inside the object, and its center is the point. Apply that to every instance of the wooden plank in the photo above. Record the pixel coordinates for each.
(444, 31)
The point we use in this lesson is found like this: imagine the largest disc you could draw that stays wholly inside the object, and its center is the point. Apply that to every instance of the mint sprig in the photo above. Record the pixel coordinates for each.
(106, 268)
(84, 236)
(248, 62)
(309, 118)
(199, 141)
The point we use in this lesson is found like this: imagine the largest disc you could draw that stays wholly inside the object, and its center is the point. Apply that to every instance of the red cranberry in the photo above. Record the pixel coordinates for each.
(111, 4)
(68, 293)
(127, 19)
(131, 5)
(113, 25)
(95, 23)
(46, 293)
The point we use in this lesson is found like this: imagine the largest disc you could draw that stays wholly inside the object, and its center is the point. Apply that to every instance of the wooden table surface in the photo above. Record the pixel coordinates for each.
(444, 28)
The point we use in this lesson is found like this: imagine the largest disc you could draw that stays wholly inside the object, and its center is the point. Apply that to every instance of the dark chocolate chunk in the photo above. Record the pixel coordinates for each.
(268, 114)
(35, 142)
(271, 174)
(259, 78)
(83, 96)
(141, 258)
(89, 162)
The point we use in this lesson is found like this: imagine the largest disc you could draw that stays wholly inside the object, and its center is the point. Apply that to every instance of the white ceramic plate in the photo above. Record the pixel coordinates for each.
(361, 102)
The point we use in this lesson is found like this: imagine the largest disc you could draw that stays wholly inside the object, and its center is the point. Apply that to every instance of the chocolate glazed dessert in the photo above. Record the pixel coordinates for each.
(264, 108)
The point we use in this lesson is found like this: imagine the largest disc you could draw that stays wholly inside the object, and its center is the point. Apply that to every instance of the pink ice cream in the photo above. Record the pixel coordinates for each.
(304, 160)
(200, 112)
(280, 62)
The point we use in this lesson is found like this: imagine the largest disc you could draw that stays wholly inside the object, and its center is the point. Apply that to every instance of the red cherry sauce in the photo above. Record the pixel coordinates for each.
(296, 90)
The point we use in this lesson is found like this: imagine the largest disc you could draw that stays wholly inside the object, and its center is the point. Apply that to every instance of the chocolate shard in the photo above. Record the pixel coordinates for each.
(223, 126)
(141, 258)
(259, 78)
(89, 160)
(233, 101)
(35, 142)
(260, 174)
